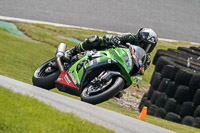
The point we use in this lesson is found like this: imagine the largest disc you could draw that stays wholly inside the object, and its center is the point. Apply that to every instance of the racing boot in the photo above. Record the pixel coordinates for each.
(119, 95)
(70, 53)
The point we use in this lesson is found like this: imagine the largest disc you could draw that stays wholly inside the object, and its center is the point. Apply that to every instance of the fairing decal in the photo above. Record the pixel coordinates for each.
(66, 79)
(134, 55)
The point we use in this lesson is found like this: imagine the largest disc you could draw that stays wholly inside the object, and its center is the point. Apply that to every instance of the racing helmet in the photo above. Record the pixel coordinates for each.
(147, 39)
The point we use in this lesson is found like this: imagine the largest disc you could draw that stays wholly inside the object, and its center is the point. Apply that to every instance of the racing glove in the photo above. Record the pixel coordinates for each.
(111, 40)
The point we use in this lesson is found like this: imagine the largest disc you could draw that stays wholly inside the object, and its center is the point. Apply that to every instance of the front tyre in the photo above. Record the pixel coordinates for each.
(111, 88)
(46, 79)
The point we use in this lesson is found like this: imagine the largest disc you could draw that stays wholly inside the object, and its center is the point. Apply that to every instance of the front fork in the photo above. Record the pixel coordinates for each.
(59, 63)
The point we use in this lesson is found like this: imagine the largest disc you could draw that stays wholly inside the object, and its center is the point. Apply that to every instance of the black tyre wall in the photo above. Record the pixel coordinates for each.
(163, 85)
(197, 112)
(196, 99)
(161, 100)
(183, 77)
(187, 109)
(154, 97)
(188, 120)
(152, 110)
(170, 105)
(161, 62)
(195, 82)
(150, 93)
(181, 94)
(167, 71)
(160, 112)
(173, 117)
(196, 122)
(144, 98)
(147, 104)
(171, 89)
(177, 78)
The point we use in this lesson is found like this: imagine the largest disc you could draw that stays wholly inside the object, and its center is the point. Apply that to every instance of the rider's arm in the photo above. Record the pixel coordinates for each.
(148, 61)
(128, 38)
(96, 42)
(93, 42)
(120, 39)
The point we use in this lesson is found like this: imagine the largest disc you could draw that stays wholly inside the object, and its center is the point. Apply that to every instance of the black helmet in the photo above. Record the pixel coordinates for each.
(147, 39)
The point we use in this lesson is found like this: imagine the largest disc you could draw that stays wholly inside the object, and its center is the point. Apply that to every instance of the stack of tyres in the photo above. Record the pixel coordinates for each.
(174, 93)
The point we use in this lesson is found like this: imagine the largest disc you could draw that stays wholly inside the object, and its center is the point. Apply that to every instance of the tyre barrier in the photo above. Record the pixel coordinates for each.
(174, 93)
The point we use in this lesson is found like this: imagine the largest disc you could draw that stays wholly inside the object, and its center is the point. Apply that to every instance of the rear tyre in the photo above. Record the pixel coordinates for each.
(43, 79)
(116, 84)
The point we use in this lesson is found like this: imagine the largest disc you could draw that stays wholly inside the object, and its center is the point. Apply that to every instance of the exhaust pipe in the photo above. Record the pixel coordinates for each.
(61, 50)
(59, 53)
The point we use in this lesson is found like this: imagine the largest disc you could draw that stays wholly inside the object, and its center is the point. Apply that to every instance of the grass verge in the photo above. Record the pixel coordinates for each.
(21, 56)
(22, 114)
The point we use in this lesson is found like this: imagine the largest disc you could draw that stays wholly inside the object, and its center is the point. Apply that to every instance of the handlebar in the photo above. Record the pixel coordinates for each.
(118, 45)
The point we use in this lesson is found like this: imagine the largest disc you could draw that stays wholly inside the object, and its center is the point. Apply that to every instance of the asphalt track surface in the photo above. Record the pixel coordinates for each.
(171, 19)
(109, 119)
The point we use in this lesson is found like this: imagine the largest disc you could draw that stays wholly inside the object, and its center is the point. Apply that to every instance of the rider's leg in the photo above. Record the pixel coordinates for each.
(93, 42)
(72, 52)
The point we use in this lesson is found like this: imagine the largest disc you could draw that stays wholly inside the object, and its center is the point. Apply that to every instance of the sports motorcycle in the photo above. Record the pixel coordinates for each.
(95, 76)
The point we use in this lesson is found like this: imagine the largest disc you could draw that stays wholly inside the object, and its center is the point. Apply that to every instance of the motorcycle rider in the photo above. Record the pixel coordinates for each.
(145, 38)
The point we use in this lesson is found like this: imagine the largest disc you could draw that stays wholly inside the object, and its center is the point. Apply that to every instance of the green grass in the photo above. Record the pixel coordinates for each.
(22, 114)
(19, 57)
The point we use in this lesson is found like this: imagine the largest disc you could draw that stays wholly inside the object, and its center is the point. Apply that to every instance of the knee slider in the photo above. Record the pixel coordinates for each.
(93, 42)
(93, 39)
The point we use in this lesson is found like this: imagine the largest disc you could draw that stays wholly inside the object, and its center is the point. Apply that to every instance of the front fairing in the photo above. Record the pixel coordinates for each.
(139, 58)
(138, 54)
(118, 57)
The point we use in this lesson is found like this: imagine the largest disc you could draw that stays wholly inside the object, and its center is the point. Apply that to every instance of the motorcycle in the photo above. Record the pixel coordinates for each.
(95, 76)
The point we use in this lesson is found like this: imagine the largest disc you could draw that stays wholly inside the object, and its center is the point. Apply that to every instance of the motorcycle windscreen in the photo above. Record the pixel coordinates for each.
(139, 58)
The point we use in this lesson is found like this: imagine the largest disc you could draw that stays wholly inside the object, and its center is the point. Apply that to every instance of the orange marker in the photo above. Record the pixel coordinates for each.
(143, 113)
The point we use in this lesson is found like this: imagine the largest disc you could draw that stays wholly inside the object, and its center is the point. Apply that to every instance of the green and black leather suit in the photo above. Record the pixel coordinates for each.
(98, 43)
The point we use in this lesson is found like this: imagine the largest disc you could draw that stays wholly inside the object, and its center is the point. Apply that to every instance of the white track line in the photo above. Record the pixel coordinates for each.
(12, 19)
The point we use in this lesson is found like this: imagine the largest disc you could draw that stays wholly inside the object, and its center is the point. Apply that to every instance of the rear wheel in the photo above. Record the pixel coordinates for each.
(46, 75)
(96, 93)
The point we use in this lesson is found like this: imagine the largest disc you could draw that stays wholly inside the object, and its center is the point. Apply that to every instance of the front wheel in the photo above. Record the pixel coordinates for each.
(108, 90)
(46, 75)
